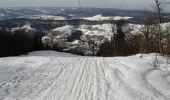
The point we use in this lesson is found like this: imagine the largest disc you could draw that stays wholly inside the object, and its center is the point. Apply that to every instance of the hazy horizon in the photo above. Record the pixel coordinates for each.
(122, 4)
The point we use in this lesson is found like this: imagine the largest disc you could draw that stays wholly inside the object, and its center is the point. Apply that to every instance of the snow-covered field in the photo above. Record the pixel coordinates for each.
(49, 75)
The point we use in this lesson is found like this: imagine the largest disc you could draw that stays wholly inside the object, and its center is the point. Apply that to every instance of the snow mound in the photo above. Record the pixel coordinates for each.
(49, 75)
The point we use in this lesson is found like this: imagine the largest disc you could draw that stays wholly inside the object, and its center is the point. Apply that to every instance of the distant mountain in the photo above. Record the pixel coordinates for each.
(6, 13)
(71, 28)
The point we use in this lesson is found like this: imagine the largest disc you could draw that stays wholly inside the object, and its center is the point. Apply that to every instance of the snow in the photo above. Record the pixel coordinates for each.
(97, 33)
(26, 27)
(49, 17)
(105, 30)
(50, 75)
(65, 29)
(102, 18)
(96, 30)
(102, 32)
(75, 42)
(50, 54)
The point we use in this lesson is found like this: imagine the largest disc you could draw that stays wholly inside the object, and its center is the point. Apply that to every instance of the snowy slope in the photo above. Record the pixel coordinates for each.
(50, 75)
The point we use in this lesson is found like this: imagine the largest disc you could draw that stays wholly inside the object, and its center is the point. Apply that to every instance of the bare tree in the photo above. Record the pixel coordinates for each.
(167, 41)
(159, 9)
(149, 30)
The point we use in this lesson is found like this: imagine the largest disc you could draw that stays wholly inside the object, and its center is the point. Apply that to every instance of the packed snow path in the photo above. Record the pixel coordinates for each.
(67, 77)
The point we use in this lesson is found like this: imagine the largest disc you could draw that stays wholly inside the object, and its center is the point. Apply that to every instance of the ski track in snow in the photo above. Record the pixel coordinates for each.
(81, 78)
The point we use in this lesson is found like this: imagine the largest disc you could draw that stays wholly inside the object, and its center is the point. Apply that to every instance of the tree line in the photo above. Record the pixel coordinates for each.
(155, 36)
(18, 42)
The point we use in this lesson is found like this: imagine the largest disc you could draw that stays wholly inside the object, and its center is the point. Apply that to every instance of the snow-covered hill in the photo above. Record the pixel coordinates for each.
(88, 34)
(49, 75)
(49, 17)
(102, 18)
(96, 34)
(26, 27)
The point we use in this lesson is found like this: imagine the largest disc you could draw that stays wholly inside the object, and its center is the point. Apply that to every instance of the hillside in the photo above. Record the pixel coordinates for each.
(49, 75)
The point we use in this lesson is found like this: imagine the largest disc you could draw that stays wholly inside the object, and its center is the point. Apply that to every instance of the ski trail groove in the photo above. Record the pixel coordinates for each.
(81, 78)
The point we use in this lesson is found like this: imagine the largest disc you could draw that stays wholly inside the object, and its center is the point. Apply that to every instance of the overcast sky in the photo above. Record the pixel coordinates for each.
(127, 4)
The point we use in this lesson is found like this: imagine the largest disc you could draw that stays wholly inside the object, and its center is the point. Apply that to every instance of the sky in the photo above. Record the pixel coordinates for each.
(127, 4)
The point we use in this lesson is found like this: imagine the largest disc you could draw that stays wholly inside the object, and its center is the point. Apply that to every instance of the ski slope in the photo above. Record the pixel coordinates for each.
(49, 75)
